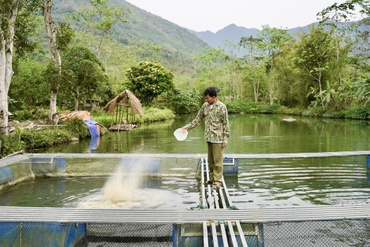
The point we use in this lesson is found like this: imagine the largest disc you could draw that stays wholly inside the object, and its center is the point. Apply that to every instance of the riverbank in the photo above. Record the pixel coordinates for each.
(358, 112)
(35, 133)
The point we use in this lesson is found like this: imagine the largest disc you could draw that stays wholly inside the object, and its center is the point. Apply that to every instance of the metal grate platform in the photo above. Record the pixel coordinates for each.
(216, 221)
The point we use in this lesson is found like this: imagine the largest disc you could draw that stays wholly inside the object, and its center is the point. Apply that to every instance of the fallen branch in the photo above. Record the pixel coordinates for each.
(14, 154)
(50, 125)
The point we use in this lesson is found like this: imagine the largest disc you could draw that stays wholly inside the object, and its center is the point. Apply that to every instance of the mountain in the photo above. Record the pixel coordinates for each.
(179, 45)
(142, 26)
(231, 33)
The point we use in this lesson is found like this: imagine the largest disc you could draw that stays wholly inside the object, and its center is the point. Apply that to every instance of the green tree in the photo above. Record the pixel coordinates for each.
(345, 18)
(288, 89)
(271, 41)
(28, 22)
(314, 56)
(95, 25)
(149, 80)
(100, 19)
(233, 70)
(254, 65)
(181, 102)
(211, 69)
(8, 23)
(83, 76)
(58, 39)
(362, 93)
(51, 36)
(28, 84)
(347, 11)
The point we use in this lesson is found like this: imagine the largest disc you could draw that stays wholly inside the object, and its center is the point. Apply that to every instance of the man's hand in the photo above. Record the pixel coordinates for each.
(224, 144)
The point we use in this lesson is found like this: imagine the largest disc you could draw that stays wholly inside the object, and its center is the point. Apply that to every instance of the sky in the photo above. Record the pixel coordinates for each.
(213, 15)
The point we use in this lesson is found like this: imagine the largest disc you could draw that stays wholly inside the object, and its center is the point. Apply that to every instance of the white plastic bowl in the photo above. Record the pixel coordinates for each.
(180, 134)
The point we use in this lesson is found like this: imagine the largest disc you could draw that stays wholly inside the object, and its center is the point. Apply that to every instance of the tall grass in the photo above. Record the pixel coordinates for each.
(150, 115)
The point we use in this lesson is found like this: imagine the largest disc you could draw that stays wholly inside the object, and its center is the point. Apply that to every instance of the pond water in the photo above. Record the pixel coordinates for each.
(260, 182)
(249, 134)
(102, 192)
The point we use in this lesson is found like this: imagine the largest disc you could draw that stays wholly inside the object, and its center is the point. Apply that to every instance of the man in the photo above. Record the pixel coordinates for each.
(216, 133)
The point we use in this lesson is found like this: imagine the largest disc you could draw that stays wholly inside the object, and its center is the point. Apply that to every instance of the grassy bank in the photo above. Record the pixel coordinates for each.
(150, 115)
(28, 139)
(359, 112)
(40, 137)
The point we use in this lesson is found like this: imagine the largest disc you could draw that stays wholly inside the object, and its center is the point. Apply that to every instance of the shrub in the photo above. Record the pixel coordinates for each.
(235, 107)
(45, 137)
(30, 139)
(77, 128)
(10, 144)
(313, 112)
(269, 109)
(334, 114)
(31, 114)
(359, 112)
(155, 114)
(289, 111)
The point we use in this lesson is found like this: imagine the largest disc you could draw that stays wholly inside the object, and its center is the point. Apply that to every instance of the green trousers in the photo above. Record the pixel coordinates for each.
(215, 161)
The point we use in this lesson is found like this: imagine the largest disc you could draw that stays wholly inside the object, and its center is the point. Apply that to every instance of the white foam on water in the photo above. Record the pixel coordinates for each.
(122, 185)
(122, 190)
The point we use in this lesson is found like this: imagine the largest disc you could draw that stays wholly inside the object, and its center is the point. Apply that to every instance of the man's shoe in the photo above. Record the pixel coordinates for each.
(216, 186)
(209, 182)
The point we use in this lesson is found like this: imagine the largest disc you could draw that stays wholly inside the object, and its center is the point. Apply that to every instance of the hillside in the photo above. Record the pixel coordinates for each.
(179, 44)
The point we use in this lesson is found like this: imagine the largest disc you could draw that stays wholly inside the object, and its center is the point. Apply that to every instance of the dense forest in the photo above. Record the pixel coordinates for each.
(62, 54)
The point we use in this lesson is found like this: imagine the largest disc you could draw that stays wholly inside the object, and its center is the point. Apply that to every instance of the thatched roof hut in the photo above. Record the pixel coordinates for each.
(126, 99)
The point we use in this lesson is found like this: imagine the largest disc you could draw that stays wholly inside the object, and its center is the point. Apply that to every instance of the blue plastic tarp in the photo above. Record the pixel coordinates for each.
(93, 127)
